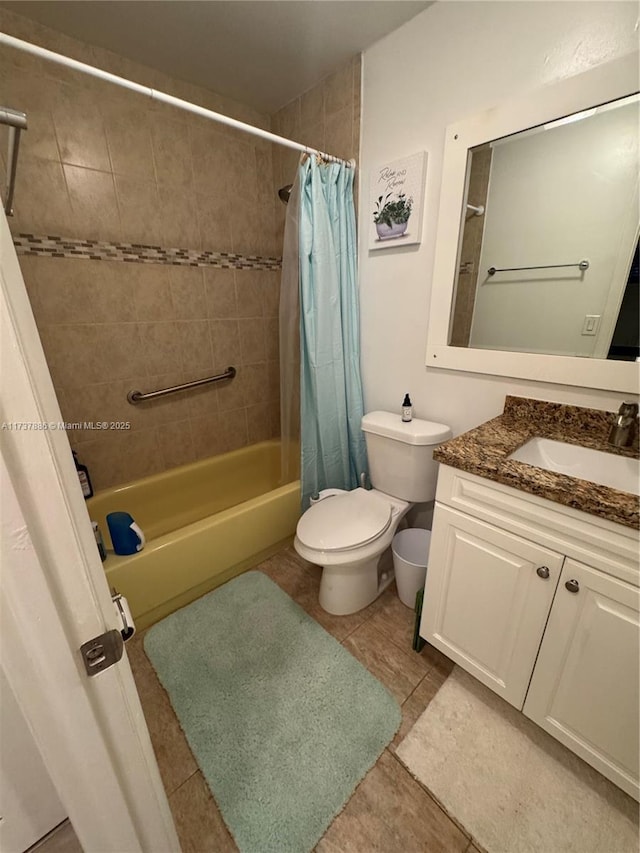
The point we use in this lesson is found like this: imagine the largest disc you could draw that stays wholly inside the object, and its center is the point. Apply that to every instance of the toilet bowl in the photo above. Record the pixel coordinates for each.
(348, 533)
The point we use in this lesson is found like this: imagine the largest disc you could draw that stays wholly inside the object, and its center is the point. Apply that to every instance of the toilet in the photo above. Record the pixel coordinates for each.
(348, 532)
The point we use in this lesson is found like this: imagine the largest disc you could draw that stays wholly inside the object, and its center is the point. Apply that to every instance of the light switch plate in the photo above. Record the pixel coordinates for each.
(591, 324)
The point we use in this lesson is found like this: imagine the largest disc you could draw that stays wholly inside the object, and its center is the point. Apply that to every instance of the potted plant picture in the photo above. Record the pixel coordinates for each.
(396, 196)
(391, 215)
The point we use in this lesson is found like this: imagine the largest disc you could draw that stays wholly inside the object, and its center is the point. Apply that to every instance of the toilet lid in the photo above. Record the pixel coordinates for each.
(344, 521)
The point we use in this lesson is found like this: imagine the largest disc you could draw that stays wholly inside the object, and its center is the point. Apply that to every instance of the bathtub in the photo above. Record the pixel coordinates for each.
(204, 523)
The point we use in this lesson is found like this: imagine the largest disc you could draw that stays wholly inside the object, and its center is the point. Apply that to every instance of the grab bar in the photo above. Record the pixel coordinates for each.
(137, 396)
(17, 121)
(583, 265)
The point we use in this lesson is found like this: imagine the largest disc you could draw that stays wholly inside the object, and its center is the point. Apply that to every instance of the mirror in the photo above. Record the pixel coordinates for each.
(536, 272)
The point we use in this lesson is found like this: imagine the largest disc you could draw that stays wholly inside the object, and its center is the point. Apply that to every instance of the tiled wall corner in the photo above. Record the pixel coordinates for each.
(326, 117)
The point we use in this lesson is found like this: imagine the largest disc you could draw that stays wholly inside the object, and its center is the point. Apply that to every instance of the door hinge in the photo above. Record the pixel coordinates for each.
(102, 652)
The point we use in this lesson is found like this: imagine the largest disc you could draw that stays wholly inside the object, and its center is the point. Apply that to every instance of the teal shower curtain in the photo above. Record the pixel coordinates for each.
(333, 452)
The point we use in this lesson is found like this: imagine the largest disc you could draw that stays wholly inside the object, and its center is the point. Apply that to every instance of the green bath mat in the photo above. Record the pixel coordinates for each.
(282, 720)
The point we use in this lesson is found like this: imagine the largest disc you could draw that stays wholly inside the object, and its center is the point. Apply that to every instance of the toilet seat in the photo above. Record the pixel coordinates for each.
(345, 521)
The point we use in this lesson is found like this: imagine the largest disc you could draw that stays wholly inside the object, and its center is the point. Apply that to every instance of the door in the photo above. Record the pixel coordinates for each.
(89, 731)
(487, 597)
(584, 689)
(29, 804)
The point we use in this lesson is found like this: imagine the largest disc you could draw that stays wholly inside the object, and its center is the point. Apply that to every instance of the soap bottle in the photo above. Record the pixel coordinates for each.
(406, 409)
(99, 541)
(83, 476)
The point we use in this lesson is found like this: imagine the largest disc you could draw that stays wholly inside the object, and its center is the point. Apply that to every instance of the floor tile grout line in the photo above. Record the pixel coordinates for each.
(426, 675)
(184, 782)
(453, 820)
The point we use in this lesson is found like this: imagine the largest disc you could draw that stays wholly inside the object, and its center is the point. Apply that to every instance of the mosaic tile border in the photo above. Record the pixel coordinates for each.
(95, 250)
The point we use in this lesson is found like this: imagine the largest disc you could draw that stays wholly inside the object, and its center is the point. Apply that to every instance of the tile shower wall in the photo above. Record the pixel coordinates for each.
(326, 117)
(101, 163)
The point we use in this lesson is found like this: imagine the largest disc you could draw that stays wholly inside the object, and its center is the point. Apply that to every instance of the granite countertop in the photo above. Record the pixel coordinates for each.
(484, 451)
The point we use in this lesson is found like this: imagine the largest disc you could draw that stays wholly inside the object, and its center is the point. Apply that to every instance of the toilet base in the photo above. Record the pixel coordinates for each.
(348, 588)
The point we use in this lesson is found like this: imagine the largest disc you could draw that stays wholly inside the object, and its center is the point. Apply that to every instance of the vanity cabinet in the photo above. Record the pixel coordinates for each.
(487, 600)
(540, 603)
(584, 689)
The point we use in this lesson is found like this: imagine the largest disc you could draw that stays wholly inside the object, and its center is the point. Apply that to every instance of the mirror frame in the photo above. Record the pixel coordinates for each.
(608, 82)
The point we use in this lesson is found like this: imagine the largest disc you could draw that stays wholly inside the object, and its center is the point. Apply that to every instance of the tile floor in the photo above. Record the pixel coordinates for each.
(389, 811)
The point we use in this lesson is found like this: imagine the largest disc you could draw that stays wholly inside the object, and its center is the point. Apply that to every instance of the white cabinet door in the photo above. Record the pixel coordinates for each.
(584, 689)
(487, 597)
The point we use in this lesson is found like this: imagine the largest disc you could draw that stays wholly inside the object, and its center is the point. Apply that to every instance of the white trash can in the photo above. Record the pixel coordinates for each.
(410, 554)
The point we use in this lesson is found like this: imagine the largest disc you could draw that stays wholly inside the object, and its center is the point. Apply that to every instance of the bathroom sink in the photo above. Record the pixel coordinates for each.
(607, 469)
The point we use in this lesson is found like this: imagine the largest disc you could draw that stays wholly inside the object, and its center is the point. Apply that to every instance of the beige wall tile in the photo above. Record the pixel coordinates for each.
(172, 153)
(250, 293)
(80, 129)
(205, 435)
(187, 293)
(94, 209)
(232, 430)
(225, 340)
(220, 293)
(161, 345)
(150, 291)
(312, 106)
(339, 133)
(176, 444)
(250, 234)
(273, 380)
(211, 152)
(338, 89)
(252, 340)
(272, 338)
(121, 350)
(140, 215)
(128, 133)
(256, 388)
(213, 222)
(41, 202)
(195, 345)
(203, 401)
(271, 292)
(258, 423)
(178, 216)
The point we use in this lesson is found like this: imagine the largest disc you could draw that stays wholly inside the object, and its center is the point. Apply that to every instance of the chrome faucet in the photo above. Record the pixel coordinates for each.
(624, 429)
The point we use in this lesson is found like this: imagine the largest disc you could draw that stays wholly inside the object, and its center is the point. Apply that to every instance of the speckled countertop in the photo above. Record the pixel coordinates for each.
(484, 451)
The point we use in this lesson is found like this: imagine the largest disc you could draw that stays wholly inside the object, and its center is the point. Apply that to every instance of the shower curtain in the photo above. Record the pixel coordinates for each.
(332, 452)
(289, 322)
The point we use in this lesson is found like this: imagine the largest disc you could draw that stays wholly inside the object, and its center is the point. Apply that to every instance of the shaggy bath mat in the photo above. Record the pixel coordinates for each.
(282, 720)
(512, 786)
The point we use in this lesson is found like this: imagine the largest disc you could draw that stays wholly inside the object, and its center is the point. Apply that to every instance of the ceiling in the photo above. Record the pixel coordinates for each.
(261, 52)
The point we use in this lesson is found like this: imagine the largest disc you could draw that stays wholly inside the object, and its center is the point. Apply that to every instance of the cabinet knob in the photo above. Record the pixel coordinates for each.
(542, 572)
(572, 585)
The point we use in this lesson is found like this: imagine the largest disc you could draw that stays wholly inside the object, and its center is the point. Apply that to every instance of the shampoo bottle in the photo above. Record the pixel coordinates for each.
(406, 409)
(83, 476)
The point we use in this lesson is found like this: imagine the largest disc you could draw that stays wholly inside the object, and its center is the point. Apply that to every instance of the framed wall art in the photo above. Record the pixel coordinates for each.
(396, 199)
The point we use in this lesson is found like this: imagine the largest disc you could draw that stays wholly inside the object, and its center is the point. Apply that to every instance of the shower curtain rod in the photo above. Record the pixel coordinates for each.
(156, 95)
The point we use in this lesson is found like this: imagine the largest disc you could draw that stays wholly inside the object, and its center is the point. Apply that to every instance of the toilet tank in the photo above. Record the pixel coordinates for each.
(401, 455)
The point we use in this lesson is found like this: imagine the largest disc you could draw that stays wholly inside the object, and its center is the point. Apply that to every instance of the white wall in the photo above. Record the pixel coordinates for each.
(557, 196)
(449, 63)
